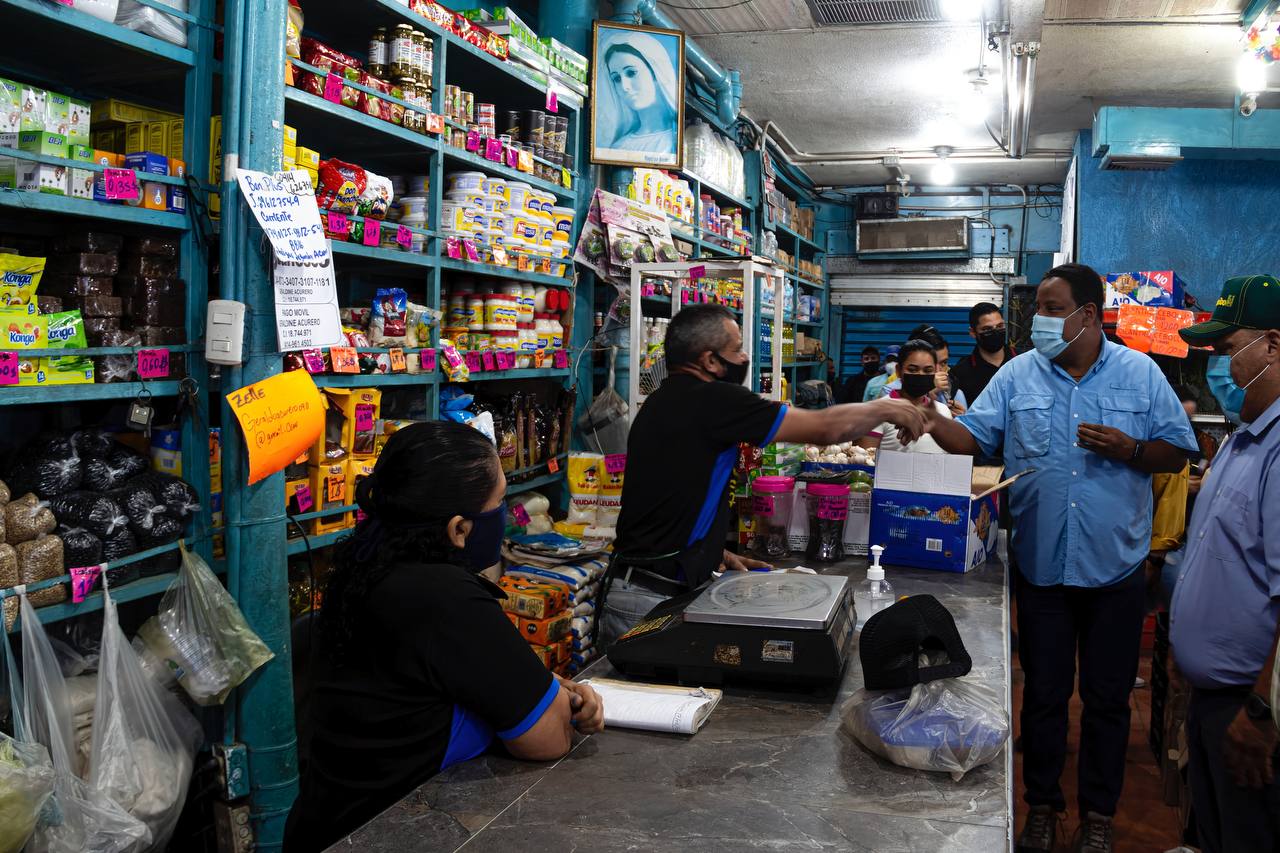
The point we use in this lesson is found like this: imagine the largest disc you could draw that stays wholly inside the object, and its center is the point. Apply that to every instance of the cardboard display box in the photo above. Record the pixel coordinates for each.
(1155, 288)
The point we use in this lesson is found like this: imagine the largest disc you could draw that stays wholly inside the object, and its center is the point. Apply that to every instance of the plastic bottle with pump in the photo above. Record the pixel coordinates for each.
(875, 593)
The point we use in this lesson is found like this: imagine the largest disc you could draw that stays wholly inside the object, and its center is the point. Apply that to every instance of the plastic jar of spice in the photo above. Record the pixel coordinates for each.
(771, 506)
(828, 505)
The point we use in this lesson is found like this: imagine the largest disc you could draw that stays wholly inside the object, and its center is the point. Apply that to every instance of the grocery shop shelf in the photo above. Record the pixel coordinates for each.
(818, 325)
(95, 28)
(505, 272)
(66, 206)
(805, 242)
(88, 167)
(537, 482)
(372, 380)
(324, 540)
(322, 513)
(723, 195)
(800, 363)
(520, 373)
(389, 256)
(806, 282)
(356, 137)
(491, 168)
(25, 395)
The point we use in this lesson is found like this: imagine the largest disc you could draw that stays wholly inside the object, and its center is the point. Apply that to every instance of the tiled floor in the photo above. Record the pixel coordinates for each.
(1143, 824)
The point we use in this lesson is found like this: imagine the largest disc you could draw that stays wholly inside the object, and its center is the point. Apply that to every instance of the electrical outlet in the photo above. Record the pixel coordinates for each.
(233, 769)
(232, 827)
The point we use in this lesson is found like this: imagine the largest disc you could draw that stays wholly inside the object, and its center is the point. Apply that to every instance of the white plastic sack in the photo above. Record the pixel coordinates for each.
(951, 725)
(201, 634)
(26, 773)
(143, 19)
(144, 741)
(78, 818)
(104, 10)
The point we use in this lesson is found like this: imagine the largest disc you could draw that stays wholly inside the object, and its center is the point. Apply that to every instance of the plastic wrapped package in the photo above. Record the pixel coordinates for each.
(86, 241)
(177, 495)
(142, 507)
(118, 545)
(97, 513)
(47, 473)
(388, 326)
(49, 304)
(200, 632)
(110, 471)
(72, 284)
(376, 198)
(585, 473)
(83, 263)
(341, 185)
(149, 287)
(92, 441)
(26, 783)
(148, 266)
(293, 31)
(97, 306)
(9, 578)
(161, 336)
(155, 311)
(950, 725)
(79, 548)
(41, 560)
(144, 740)
(6, 494)
(144, 19)
(161, 247)
(26, 518)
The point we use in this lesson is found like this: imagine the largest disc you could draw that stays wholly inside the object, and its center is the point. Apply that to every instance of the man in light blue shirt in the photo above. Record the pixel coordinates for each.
(1226, 603)
(1089, 421)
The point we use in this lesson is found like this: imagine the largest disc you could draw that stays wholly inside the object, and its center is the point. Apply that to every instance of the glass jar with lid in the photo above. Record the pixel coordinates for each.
(409, 93)
(400, 56)
(379, 44)
(419, 53)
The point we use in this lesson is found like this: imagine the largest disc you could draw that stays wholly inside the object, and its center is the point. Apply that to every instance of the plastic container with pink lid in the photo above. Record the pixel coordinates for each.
(771, 505)
(828, 511)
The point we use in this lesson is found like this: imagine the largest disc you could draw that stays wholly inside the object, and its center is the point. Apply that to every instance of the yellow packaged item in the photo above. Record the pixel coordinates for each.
(564, 528)
(533, 600)
(586, 470)
(361, 408)
(329, 490)
(549, 630)
(357, 470)
(19, 281)
(22, 330)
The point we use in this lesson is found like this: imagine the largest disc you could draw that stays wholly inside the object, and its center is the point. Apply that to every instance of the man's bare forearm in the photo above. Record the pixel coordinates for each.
(952, 437)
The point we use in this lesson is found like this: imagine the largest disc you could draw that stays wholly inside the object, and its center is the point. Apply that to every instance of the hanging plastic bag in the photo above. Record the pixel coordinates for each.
(202, 636)
(26, 773)
(951, 725)
(78, 818)
(144, 740)
(606, 422)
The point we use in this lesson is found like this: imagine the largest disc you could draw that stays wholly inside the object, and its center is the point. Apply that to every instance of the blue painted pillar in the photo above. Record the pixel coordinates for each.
(253, 106)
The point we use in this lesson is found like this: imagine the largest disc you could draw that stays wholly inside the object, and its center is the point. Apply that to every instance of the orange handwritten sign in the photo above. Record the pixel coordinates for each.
(280, 417)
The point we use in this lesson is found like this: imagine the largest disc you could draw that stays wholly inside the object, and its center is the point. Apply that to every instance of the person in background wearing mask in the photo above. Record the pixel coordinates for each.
(986, 326)
(681, 452)
(1090, 421)
(875, 385)
(919, 365)
(856, 385)
(416, 667)
(1226, 604)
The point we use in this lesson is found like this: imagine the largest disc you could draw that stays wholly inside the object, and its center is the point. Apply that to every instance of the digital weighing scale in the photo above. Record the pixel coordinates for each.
(778, 628)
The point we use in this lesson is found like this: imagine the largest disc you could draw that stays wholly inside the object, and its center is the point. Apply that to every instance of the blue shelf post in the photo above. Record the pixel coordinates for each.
(257, 562)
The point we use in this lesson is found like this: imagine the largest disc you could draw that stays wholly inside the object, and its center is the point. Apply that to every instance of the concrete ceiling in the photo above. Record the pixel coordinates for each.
(877, 88)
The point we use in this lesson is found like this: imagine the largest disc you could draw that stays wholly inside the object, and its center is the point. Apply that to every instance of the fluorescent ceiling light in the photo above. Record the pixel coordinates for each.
(942, 175)
(962, 10)
(1251, 74)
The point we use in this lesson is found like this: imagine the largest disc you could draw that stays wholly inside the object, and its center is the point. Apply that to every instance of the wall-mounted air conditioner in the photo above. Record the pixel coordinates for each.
(931, 236)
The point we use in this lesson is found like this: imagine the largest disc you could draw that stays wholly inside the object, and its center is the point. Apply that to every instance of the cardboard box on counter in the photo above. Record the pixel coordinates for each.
(1155, 289)
(923, 513)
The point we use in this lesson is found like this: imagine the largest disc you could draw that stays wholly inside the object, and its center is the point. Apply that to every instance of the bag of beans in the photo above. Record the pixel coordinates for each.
(26, 518)
(40, 560)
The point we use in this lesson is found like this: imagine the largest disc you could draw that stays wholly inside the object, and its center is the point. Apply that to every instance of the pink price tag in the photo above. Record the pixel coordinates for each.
(121, 184)
(67, 2)
(338, 224)
(473, 140)
(762, 505)
(364, 418)
(313, 360)
(427, 358)
(493, 150)
(8, 368)
(372, 233)
(615, 463)
(153, 363)
(306, 503)
(333, 88)
(553, 103)
(453, 248)
(469, 246)
(489, 360)
(513, 158)
(560, 360)
(404, 237)
(472, 360)
(82, 581)
(833, 508)
(520, 515)
(506, 360)
(697, 272)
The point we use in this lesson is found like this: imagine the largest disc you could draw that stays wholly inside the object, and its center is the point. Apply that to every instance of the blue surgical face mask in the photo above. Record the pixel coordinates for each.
(483, 547)
(1046, 334)
(1229, 395)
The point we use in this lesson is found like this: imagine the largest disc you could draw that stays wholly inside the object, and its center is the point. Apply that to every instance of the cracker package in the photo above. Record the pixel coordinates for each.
(19, 280)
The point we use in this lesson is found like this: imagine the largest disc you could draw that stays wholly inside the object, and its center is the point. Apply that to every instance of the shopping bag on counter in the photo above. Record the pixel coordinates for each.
(78, 818)
(950, 725)
(201, 636)
(144, 740)
(26, 773)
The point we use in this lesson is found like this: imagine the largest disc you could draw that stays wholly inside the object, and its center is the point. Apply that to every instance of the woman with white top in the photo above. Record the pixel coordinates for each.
(917, 381)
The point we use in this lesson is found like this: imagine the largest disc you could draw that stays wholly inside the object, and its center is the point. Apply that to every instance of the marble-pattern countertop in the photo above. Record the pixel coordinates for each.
(768, 771)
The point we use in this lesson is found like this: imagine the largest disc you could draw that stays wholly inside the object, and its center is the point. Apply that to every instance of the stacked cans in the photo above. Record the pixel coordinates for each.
(546, 135)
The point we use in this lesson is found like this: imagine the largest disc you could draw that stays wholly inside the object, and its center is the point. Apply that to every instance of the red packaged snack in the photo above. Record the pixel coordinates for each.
(436, 14)
(325, 58)
(371, 105)
(340, 186)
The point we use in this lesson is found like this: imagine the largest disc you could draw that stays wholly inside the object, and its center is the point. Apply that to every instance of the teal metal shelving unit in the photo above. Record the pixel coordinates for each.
(97, 59)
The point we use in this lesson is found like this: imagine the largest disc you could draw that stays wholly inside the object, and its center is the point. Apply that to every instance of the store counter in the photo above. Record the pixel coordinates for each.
(768, 770)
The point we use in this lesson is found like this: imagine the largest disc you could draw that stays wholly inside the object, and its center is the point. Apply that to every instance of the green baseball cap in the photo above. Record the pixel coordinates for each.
(1247, 302)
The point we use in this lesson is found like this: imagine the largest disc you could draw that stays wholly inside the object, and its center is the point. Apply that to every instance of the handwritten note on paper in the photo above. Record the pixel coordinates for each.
(281, 417)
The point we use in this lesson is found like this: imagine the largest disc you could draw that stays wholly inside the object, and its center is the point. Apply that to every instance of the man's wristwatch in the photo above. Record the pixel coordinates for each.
(1256, 708)
(1138, 448)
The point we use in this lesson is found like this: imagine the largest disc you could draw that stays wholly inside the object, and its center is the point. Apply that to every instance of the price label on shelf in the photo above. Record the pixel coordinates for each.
(697, 272)
(338, 224)
(333, 88)
(520, 515)
(153, 364)
(344, 360)
(120, 184)
(506, 360)
(335, 490)
(473, 361)
(539, 358)
(560, 360)
(8, 368)
(306, 502)
(615, 463)
(427, 358)
(553, 101)
(404, 237)
(473, 141)
(493, 150)
(469, 247)
(313, 360)
(553, 465)
(489, 360)
(372, 233)
(435, 123)
(453, 248)
(397, 359)
(500, 256)
(513, 158)
(566, 178)
(82, 581)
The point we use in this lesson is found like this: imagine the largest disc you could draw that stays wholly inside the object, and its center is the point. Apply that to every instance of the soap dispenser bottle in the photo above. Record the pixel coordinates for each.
(875, 587)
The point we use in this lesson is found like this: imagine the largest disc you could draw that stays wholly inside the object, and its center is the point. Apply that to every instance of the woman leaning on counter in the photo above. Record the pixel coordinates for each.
(416, 668)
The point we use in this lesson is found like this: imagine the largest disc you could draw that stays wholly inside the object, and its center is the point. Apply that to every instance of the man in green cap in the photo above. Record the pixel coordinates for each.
(1226, 603)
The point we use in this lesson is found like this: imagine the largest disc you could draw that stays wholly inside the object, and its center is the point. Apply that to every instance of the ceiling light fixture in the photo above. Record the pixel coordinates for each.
(962, 10)
(942, 175)
(1020, 91)
(1251, 74)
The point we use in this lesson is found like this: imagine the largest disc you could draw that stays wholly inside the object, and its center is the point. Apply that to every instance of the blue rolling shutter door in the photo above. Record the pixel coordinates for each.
(881, 327)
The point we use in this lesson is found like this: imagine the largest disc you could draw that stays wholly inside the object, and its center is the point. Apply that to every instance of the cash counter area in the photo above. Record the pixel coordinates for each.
(769, 770)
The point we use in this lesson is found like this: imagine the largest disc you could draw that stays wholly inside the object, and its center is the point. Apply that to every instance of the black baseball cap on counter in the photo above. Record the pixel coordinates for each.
(894, 639)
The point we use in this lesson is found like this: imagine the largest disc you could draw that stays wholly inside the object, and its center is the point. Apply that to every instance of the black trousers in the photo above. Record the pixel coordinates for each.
(1102, 628)
(1229, 819)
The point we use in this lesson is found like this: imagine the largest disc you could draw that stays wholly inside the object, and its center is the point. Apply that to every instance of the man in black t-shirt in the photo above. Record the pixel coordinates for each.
(986, 327)
(856, 385)
(681, 452)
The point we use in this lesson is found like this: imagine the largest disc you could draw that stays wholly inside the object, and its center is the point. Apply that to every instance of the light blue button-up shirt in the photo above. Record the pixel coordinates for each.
(1227, 599)
(1080, 519)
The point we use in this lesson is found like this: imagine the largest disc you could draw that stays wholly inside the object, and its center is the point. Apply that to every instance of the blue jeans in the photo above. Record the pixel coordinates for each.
(624, 607)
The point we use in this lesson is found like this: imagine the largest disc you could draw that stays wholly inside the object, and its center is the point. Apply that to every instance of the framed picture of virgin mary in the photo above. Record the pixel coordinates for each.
(637, 104)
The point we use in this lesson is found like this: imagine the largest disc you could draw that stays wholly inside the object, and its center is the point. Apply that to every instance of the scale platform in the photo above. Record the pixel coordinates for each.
(775, 628)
